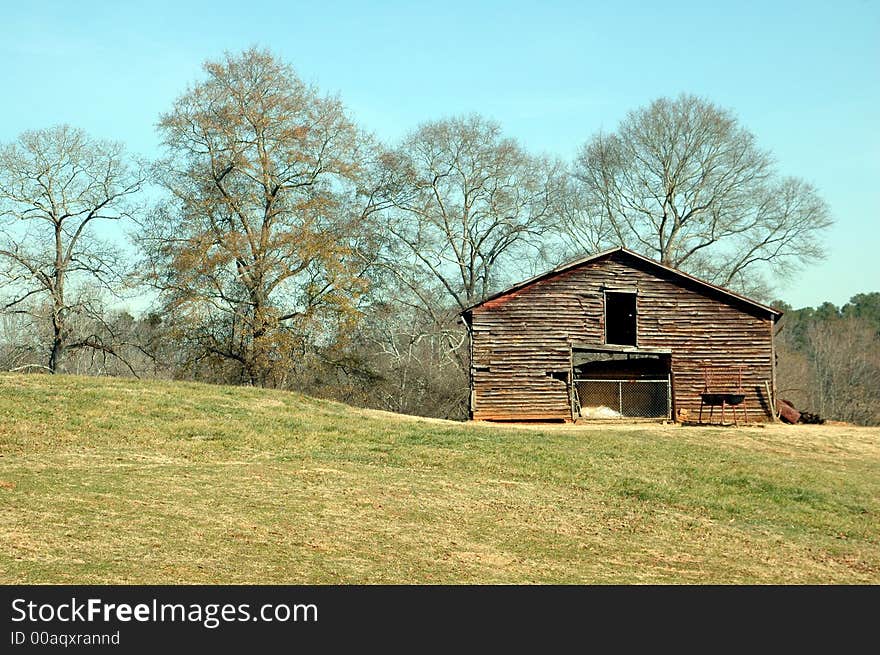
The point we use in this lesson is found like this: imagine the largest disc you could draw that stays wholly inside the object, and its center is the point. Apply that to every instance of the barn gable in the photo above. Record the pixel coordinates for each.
(616, 315)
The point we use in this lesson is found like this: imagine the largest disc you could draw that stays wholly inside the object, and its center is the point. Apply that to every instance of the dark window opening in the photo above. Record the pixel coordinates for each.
(562, 376)
(620, 318)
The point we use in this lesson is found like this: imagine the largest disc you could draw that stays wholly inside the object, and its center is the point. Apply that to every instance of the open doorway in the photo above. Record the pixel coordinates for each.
(621, 318)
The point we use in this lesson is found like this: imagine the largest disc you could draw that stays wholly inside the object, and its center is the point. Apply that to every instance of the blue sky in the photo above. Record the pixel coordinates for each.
(803, 76)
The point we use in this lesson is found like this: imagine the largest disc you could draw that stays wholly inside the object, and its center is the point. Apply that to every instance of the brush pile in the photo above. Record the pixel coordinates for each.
(807, 417)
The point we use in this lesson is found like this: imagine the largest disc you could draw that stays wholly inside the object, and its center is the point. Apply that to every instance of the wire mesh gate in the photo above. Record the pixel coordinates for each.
(635, 398)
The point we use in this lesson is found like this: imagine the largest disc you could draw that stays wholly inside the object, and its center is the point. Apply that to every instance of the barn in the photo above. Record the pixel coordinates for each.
(617, 334)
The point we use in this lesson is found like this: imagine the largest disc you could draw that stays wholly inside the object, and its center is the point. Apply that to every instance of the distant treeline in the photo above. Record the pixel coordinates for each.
(829, 359)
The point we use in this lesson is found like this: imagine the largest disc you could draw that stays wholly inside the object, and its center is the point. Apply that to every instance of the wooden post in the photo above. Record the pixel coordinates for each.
(772, 399)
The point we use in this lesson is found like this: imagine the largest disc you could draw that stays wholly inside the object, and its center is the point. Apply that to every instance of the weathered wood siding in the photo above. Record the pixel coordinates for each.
(521, 339)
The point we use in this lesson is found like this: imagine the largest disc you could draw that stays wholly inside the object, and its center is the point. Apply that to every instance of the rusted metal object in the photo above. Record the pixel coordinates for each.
(524, 341)
(787, 412)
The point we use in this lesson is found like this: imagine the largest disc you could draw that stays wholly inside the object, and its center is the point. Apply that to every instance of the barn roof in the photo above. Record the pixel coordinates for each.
(732, 296)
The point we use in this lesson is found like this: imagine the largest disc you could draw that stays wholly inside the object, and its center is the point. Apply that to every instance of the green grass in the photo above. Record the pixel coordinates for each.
(124, 481)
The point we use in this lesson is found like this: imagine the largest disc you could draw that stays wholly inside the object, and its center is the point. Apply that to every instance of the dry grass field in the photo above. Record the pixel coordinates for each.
(125, 481)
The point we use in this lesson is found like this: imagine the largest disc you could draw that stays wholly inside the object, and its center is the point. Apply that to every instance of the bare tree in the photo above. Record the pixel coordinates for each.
(580, 219)
(55, 186)
(463, 210)
(829, 359)
(254, 253)
(463, 205)
(682, 181)
(417, 362)
(845, 357)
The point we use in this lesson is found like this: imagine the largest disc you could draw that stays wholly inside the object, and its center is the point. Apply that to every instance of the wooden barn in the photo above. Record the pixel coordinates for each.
(615, 335)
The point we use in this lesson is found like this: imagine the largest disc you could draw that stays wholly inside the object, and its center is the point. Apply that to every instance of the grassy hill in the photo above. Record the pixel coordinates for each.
(123, 481)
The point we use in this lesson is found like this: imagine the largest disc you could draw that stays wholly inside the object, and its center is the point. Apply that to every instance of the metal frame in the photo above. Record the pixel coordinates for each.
(721, 382)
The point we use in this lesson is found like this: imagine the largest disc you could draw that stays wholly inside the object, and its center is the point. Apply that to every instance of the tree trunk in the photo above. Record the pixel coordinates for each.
(58, 318)
(261, 343)
(57, 342)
